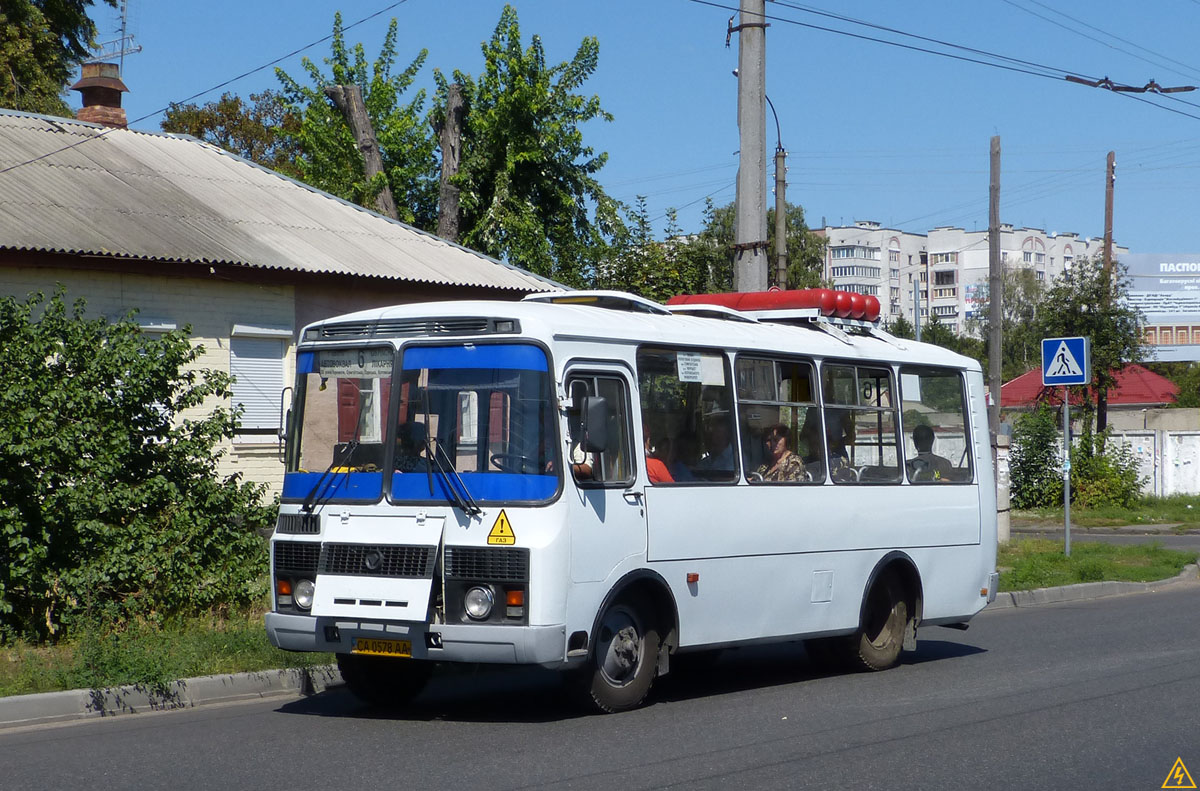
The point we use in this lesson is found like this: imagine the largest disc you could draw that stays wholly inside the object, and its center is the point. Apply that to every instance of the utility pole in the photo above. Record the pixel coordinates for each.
(995, 291)
(349, 101)
(449, 132)
(1101, 389)
(780, 217)
(750, 205)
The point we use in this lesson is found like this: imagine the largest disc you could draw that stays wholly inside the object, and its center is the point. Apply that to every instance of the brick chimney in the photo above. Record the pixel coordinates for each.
(101, 87)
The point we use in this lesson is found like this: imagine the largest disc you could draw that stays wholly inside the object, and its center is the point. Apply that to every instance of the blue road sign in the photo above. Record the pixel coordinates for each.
(1066, 361)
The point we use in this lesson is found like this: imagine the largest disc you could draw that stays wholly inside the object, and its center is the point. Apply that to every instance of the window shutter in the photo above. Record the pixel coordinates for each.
(258, 365)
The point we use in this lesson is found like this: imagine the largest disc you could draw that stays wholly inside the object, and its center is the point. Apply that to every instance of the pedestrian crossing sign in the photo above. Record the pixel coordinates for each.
(1066, 361)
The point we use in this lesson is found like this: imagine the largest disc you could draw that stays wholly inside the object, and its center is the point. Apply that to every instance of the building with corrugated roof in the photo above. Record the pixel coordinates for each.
(189, 234)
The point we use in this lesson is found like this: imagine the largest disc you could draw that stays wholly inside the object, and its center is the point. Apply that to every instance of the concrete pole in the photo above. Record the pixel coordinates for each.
(781, 217)
(750, 206)
(995, 291)
(917, 307)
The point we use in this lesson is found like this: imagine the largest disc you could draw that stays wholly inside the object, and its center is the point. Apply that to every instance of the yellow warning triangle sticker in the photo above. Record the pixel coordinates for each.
(502, 533)
(1179, 776)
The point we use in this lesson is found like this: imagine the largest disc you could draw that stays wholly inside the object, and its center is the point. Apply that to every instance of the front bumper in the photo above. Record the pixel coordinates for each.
(507, 644)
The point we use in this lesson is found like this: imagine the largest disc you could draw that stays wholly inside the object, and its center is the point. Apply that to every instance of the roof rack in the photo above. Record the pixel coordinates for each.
(611, 300)
(712, 312)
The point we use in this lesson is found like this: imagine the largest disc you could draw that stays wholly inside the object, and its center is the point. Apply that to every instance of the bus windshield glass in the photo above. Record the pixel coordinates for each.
(336, 452)
(475, 422)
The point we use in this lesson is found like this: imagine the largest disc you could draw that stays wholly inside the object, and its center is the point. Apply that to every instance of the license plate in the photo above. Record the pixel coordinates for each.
(369, 645)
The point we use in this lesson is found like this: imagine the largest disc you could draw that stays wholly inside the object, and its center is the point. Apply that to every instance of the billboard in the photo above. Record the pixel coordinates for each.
(1166, 288)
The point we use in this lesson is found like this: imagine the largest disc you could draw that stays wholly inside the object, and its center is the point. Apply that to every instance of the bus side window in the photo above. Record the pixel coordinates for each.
(612, 466)
(687, 412)
(936, 449)
(861, 424)
(781, 434)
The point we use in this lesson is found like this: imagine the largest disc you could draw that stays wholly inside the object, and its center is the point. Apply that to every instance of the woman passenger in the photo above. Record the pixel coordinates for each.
(782, 463)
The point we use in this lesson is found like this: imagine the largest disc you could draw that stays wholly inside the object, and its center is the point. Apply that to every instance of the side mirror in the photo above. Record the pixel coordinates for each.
(594, 422)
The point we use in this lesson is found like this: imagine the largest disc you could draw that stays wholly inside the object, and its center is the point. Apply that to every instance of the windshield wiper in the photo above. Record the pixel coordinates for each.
(463, 499)
(310, 499)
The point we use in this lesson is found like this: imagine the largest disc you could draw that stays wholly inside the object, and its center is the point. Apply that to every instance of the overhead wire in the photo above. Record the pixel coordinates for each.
(1192, 70)
(209, 90)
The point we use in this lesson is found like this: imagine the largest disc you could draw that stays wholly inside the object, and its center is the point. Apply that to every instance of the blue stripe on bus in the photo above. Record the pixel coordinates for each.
(487, 355)
(483, 486)
(306, 363)
(489, 486)
(336, 486)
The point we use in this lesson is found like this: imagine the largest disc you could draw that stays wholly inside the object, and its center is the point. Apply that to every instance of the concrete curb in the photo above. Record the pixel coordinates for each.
(51, 707)
(1085, 590)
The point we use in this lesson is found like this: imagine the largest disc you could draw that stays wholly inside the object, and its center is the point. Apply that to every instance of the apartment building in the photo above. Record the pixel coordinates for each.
(946, 268)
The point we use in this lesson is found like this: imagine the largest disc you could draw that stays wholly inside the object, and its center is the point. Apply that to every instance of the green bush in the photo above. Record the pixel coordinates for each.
(1104, 473)
(111, 508)
(1034, 461)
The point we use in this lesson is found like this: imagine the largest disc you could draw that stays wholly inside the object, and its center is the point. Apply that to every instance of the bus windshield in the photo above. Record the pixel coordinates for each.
(474, 422)
(470, 423)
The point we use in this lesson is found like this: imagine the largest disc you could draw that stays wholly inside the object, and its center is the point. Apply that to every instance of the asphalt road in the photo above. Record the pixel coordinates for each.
(1099, 694)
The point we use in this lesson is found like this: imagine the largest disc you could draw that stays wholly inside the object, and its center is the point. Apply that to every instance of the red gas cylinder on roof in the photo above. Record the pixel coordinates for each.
(842, 304)
(872, 311)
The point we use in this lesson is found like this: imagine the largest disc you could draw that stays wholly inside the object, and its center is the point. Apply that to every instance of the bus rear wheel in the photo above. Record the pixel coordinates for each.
(877, 643)
(383, 683)
(624, 660)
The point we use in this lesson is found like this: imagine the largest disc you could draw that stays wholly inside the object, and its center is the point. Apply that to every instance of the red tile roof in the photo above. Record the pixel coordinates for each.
(1135, 386)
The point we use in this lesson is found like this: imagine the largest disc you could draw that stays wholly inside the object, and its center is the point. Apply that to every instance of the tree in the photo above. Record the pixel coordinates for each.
(703, 262)
(262, 131)
(805, 250)
(1085, 300)
(1186, 375)
(328, 156)
(529, 193)
(110, 505)
(41, 42)
(1022, 300)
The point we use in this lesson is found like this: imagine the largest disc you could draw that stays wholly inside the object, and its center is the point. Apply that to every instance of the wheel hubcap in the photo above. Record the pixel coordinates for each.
(621, 648)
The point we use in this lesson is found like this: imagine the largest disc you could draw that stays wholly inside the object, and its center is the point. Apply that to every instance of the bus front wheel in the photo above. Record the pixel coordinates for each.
(877, 643)
(624, 660)
(381, 682)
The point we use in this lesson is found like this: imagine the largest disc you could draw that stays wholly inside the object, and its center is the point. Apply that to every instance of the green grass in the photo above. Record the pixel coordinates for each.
(1030, 563)
(153, 657)
(1181, 509)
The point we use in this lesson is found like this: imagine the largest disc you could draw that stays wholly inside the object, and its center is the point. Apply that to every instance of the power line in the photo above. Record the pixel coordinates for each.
(1193, 71)
(216, 87)
(1047, 72)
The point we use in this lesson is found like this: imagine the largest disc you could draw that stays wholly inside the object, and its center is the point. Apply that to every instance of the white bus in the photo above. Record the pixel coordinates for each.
(595, 482)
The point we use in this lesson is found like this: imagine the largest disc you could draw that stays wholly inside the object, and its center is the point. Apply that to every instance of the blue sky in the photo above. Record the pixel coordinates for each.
(873, 131)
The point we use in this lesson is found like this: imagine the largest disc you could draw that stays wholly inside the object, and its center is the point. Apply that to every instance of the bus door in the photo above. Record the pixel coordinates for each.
(607, 518)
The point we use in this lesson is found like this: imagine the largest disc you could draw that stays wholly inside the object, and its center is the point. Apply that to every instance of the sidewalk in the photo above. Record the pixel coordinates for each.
(53, 707)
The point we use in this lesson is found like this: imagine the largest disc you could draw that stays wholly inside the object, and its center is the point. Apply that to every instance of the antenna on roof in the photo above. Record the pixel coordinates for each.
(117, 48)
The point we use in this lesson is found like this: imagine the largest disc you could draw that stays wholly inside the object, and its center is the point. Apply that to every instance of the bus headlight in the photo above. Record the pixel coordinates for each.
(478, 602)
(303, 594)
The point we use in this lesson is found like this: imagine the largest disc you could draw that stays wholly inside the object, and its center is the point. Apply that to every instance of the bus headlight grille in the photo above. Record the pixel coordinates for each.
(297, 556)
(485, 563)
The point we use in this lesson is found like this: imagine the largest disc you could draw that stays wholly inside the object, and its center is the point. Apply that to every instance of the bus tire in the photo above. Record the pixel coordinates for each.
(381, 682)
(625, 660)
(877, 643)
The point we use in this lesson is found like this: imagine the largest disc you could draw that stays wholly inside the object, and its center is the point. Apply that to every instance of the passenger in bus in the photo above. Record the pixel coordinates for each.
(656, 469)
(410, 442)
(838, 429)
(718, 444)
(927, 465)
(782, 463)
(682, 455)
